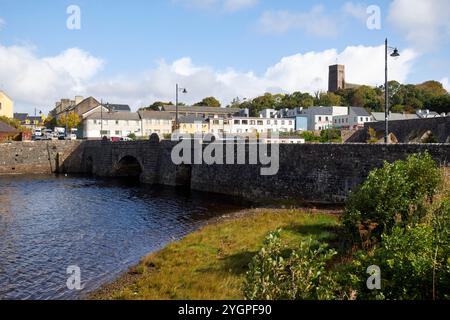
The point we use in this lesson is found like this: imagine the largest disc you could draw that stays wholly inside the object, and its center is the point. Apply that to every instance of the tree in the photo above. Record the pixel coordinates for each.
(440, 104)
(209, 102)
(367, 97)
(432, 88)
(50, 122)
(328, 99)
(297, 99)
(157, 105)
(11, 122)
(72, 120)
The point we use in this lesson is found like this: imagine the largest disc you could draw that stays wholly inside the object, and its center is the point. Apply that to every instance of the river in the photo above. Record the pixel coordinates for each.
(100, 226)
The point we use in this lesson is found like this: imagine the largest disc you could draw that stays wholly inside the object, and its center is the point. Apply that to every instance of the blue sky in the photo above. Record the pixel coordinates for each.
(135, 51)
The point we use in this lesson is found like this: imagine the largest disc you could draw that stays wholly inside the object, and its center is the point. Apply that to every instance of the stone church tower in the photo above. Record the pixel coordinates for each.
(336, 78)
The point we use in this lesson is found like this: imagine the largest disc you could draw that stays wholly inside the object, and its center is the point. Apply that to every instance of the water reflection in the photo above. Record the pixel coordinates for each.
(102, 226)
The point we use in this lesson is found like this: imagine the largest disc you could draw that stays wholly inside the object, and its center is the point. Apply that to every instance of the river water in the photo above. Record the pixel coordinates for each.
(101, 226)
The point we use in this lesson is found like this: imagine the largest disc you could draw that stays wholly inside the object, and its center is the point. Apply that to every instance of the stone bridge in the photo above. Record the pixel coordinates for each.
(323, 173)
(309, 172)
(409, 131)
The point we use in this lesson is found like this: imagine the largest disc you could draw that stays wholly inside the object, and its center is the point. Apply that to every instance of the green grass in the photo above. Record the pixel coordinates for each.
(211, 263)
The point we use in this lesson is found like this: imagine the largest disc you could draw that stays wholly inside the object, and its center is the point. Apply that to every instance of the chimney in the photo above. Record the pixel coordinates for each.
(78, 99)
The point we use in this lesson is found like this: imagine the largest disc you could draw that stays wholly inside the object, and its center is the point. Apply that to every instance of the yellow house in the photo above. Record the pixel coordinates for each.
(6, 105)
(193, 125)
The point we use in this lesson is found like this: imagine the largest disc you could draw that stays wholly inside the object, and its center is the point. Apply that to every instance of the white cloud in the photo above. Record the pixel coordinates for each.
(445, 82)
(34, 81)
(301, 72)
(225, 5)
(356, 10)
(235, 5)
(314, 22)
(425, 23)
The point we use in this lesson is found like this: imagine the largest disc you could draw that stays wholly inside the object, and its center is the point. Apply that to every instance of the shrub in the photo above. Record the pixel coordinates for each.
(331, 135)
(395, 194)
(372, 136)
(413, 266)
(301, 274)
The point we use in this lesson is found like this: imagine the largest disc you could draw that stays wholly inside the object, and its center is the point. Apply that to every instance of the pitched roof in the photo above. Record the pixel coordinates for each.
(118, 107)
(191, 119)
(201, 109)
(6, 128)
(327, 111)
(379, 116)
(114, 116)
(21, 116)
(145, 114)
(360, 112)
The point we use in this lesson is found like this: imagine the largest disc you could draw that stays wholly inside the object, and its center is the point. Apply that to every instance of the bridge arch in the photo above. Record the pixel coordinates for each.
(128, 167)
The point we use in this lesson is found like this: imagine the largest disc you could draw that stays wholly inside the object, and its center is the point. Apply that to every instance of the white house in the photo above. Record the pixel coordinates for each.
(158, 122)
(355, 119)
(111, 124)
(321, 118)
(261, 125)
(269, 113)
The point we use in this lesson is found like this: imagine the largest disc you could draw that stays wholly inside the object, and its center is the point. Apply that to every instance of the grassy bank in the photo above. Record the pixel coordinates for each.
(211, 263)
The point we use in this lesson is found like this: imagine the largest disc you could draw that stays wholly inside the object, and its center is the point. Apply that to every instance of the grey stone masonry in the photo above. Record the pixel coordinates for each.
(307, 172)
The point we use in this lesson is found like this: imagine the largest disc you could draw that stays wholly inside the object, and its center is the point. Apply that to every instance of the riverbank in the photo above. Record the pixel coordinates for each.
(211, 262)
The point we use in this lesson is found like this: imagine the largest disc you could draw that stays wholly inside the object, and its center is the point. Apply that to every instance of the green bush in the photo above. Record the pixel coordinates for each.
(413, 266)
(330, 135)
(395, 194)
(297, 275)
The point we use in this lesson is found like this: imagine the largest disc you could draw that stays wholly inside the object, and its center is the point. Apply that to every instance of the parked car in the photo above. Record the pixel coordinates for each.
(126, 139)
(47, 134)
(38, 134)
(71, 137)
(115, 139)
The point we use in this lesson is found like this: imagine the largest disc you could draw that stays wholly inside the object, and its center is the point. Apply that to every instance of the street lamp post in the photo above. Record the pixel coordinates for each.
(394, 54)
(35, 115)
(182, 90)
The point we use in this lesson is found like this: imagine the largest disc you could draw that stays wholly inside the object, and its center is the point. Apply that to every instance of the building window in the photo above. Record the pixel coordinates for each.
(118, 133)
(252, 122)
(326, 118)
(268, 121)
(320, 118)
(117, 121)
(244, 121)
(237, 121)
(260, 123)
(104, 132)
(216, 122)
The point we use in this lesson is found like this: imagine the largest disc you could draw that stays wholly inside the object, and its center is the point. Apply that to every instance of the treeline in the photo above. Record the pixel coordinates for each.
(403, 98)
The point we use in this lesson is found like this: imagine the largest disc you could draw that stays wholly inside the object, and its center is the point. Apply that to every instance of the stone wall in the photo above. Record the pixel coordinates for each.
(406, 131)
(308, 172)
(38, 157)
